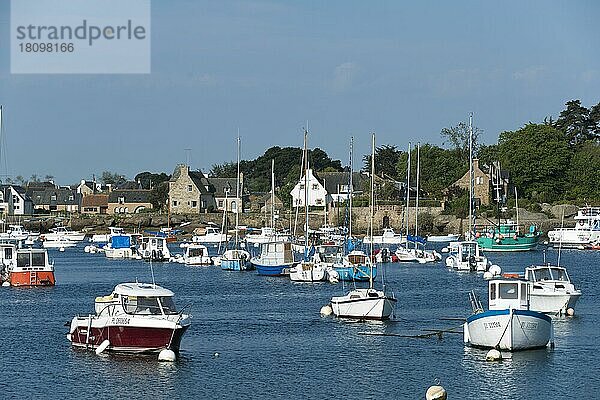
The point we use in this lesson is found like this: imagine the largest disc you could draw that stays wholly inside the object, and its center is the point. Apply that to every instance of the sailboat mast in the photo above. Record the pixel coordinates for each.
(350, 191)
(372, 206)
(239, 201)
(407, 192)
(470, 174)
(417, 195)
(306, 197)
(273, 193)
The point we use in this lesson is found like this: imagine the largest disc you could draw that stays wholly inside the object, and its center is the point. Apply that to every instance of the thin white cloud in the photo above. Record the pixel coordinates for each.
(530, 74)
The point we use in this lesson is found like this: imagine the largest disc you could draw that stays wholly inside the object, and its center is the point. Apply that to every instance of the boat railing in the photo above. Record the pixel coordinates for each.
(475, 303)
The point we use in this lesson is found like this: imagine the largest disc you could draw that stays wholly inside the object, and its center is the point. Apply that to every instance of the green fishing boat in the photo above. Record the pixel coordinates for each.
(508, 236)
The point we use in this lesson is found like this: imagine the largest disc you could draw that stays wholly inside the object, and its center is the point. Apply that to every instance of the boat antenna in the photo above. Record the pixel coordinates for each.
(152, 273)
(562, 224)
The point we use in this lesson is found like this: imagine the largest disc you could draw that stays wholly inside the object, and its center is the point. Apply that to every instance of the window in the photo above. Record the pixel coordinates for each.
(8, 253)
(315, 186)
(220, 203)
(71, 197)
(523, 291)
(319, 201)
(194, 204)
(121, 200)
(302, 186)
(189, 188)
(203, 203)
(234, 206)
(174, 203)
(53, 197)
(493, 291)
(509, 291)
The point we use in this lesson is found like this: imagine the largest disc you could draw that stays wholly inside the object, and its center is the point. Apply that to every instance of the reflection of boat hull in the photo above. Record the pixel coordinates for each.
(363, 304)
(507, 329)
(235, 265)
(125, 338)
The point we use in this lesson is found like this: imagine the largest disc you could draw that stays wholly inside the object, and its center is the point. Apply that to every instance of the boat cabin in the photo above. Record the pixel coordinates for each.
(546, 273)
(196, 250)
(329, 253)
(277, 253)
(505, 294)
(357, 257)
(137, 299)
(466, 250)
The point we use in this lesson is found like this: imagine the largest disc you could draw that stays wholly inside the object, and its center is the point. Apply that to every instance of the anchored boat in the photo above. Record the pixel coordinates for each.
(134, 318)
(509, 324)
(25, 267)
(551, 290)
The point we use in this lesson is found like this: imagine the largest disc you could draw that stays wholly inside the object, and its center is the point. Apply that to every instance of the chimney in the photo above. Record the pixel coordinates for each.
(475, 163)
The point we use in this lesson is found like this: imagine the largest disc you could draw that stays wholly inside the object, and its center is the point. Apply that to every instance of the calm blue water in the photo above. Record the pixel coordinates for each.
(273, 343)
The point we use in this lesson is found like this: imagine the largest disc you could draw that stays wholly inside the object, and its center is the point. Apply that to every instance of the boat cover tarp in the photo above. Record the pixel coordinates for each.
(121, 242)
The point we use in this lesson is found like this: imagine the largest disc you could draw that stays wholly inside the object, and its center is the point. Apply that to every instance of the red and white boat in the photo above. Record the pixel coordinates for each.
(26, 267)
(135, 318)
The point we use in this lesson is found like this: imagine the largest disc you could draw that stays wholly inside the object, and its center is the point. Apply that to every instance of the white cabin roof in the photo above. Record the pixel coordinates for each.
(142, 289)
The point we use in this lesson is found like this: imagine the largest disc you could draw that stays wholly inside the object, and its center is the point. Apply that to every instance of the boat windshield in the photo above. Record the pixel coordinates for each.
(31, 259)
(551, 274)
(141, 305)
(195, 252)
(168, 305)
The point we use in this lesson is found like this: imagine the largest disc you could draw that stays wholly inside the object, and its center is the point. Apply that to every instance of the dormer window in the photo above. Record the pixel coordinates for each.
(53, 197)
(121, 200)
(71, 197)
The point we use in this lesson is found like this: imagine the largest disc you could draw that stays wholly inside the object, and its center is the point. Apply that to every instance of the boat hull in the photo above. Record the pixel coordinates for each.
(32, 278)
(355, 273)
(525, 243)
(235, 265)
(509, 330)
(360, 305)
(270, 270)
(314, 273)
(127, 339)
(552, 303)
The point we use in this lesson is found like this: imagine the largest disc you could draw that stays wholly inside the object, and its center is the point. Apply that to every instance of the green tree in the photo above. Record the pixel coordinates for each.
(583, 173)
(576, 123)
(386, 160)
(149, 180)
(458, 138)
(160, 195)
(537, 157)
(595, 119)
(112, 178)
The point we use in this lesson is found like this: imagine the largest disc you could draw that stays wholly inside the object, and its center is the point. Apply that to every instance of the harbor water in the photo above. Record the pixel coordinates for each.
(255, 337)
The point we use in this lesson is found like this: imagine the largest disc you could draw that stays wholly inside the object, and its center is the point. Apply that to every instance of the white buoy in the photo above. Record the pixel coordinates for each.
(216, 354)
(61, 249)
(495, 270)
(100, 349)
(326, 310)
(493, 355)
(87, 249)
(167, 355)
(436, 393)
(445, 250)
(487, 275)
(570, 312)
(6, 284)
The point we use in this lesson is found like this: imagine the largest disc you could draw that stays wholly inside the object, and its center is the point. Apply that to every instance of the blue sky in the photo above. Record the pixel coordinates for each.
(402, 69)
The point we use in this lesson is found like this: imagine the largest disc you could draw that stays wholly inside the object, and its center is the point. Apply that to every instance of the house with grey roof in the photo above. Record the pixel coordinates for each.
(190, 192)
(15, 201)
(129, 201)
(54, 198)
(225, 194)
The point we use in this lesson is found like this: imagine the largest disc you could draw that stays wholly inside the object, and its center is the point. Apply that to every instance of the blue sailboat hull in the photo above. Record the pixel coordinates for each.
(360, 273)
(271, 270)
(235, 265)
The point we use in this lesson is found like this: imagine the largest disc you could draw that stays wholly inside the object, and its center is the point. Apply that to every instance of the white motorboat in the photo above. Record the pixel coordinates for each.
(551, 290)
(467, 256)
(153, 248)
(105, 237)
(388, 237)
(196, 254)
(63, 232)
(135, 318)
(367, 303)
(509, 324)
(59, 243)
(585, 232)
(212, 235)
(416, 255)
(308, 271)
(121, 246)
(451, 237)
(17, 232)
(266, 235)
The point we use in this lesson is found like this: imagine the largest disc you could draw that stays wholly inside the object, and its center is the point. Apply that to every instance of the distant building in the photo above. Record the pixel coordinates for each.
(483, 179)
(123, 201)
(316, 195)
(94, 204)
(337, 185)
(190, 192)
(54, 198)
(92, 187)
(225, 194)
(15, 201)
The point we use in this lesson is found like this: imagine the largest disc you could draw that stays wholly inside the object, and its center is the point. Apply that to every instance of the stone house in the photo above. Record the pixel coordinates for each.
(190, 192)
(337, 185)
(484, 178)
(94, 204)
(125, 201)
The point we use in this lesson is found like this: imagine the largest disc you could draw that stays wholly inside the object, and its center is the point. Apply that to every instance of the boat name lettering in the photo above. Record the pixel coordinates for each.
(491, 325)
(120, 321)
(529, 325)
